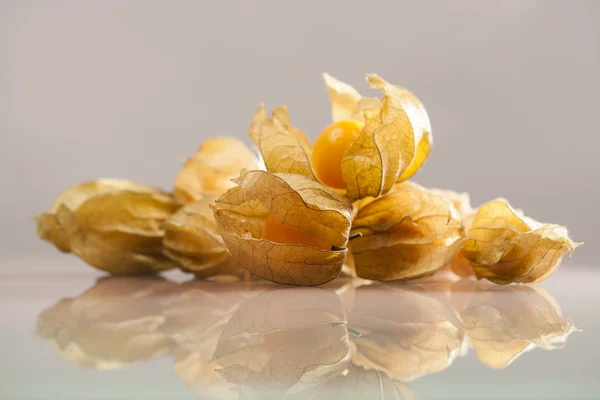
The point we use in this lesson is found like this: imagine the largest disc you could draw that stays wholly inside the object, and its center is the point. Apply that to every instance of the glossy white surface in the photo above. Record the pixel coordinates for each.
(67, 336)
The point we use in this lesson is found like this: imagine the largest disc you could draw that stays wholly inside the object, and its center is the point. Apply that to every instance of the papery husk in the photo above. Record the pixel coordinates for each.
(399, 97)
(293, 200)
(460, 200)
(284, 341)
(505, 321)
(115, 323)
(394, 143)
(192, 239)
(48, 225)
(461, 266)
(373, 163)
(211, 169)
(343, 97)
(407, 233)
(404, 331)
(113, 225)
(121, 232)
(284, 149)
(504, 246)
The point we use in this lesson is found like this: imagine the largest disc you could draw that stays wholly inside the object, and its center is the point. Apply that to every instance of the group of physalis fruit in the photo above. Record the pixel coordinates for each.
(301, 214)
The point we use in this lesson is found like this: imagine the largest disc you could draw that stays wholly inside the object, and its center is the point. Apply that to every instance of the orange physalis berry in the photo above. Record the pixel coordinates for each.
(277, 232)
(329, 150)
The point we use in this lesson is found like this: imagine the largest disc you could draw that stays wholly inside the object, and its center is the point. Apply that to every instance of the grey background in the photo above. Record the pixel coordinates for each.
(93, 89)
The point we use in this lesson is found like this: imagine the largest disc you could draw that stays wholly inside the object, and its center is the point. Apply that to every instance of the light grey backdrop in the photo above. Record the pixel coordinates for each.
(106, 88)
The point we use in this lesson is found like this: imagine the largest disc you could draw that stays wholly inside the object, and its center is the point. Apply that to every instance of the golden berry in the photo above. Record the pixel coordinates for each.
(329, 150)
(277, 232)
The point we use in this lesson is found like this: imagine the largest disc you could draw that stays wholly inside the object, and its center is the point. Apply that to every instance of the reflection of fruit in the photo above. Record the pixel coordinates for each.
(276, 341)
(505, 321)
(116, 322)
(248, 341)
(198, 310)
(419, 335)
(290, 340)
(501, 354)
(361, 384)
(329, 150)
(284, 341)
(462, 292)
(197, 313)
(201, 375)
(277, 232)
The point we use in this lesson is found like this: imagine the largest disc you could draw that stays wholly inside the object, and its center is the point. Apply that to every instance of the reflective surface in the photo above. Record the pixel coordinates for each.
(84, 336)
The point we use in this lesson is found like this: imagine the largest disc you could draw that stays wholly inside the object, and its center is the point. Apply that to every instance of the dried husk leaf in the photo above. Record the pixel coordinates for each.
(211, 169)
(284, 149)
(115, 323)
(504, 246)
(373, 162)
(282, 341)
(461, 266)
(398, 98)
(394, 143)
(505, 321)
(359, 383)
(192, 239)
(460, 200)
(48, 225)
(296, 201)
(120, 232)
(407, 233)
(365, 103)
(344, 98)
(420, 335)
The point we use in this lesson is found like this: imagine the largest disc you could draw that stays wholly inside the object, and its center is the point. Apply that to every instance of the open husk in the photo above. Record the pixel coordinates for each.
(393, 144)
